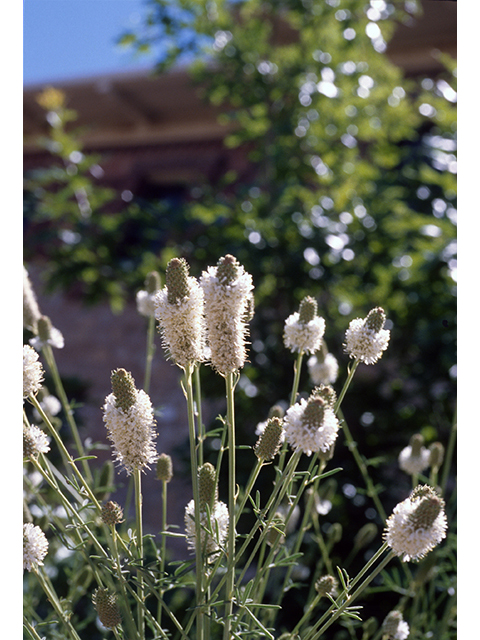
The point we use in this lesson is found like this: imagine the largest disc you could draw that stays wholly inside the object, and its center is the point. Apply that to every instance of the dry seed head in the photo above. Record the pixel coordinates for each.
(270, 441)
(375, 319)
(307, 310)
(106, 606)
(124, 390)
(176, 279)
(112, 513)
(164, 468)
(326, 585)
(207, 486)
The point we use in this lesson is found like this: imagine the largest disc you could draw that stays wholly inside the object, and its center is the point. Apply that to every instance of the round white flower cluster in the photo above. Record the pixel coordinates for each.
(145, 303)
(323, 371)
(35, 546)
(32, 371)
(214, 529)
(35, 441)
(365, 339)
(416, 525)
(131, 432)
(414, 463)
(306, 337)
(309, 435)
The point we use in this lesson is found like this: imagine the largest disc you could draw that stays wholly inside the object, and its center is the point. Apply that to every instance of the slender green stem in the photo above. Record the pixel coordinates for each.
(139, 522)
(52, 365)
(449, 455)
(248, 489)
(55, 602)
(297, 369)
(351, 598)
(201, 427)
(199, 564)
(150, 350)
(31, 629)
(127, 614)
(163, 544)
(230, 583)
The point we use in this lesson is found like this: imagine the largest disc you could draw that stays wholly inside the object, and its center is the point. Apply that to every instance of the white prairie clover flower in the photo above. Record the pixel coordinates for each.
(311, 425)
(228, 307)
(35, 546)
(146, 297)
(32, 371)
(214, 516)
(128, 416)
(303, 331)
(416, 525)
(31, 312)
(179, 311)
(47, 334)
(323, 370)
(366, 339)
(415, 458)
(35, 441)
(394, 626)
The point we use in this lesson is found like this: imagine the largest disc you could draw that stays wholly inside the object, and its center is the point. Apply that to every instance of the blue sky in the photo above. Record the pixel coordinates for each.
(65, 39)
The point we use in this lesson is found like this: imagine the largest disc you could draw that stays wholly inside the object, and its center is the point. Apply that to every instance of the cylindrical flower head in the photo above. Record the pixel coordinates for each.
(106, 606)
(214, 529)
(415, 458)
(228, 304)
(112, 513)
(207, 486)
(326, 585)
(303, 331)
(31, 311)
(394, 626)
(35, 546)
(32, 371)
(47, 334)
(416, 525)
(164, 468)
(128, 416)
(35, 441)
(311, 426)
(366, 339)
(270, 440)
(326, 393)
(179, 311)
(323, 370)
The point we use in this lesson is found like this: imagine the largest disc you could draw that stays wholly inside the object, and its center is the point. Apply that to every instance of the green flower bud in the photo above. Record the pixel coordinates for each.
(207, 486)
(227, 269)
(375, 319)
(307, 310)
(164, 468)
(107, 608)
(270, 441)
(124, 390)
(153, 282)
(176, 276)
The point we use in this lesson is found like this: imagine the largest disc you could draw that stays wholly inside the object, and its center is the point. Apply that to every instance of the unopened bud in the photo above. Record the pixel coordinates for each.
(227, 269)
(335, 532)
(307, 310)
(44, 328)
(164, 468)
(365, 535)
(314, 412)
(106, 606)
(416, 442)
(375, 319)
(176, 279)
(153, 282)
(277, 411)
(112, 513)
(270, 441)
(207, 486)
(326, 392)
(437, 452)
(124, 390)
